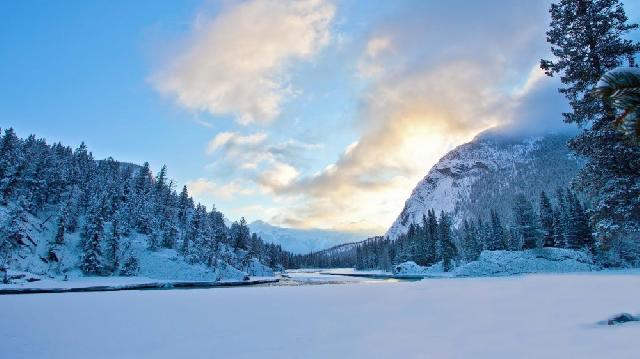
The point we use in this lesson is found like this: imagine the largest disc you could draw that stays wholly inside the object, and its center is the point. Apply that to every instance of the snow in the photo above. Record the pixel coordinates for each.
(531, 316)
(542, 260)
(255, 268)
(497, 263)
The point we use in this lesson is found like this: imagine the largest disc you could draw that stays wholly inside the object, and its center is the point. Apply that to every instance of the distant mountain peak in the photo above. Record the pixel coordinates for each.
(302, 241)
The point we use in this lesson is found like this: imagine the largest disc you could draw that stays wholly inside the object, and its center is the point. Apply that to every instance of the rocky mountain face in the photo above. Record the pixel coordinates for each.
(486, 174)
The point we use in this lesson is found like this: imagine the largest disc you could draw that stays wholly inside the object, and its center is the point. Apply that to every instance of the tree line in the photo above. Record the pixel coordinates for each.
(561, 223)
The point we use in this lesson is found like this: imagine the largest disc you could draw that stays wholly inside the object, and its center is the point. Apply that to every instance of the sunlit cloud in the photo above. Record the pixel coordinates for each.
(371, 61)
(236, 62)
(204, 187)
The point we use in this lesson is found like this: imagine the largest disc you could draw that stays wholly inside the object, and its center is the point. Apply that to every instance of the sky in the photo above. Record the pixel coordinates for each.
(301, 113)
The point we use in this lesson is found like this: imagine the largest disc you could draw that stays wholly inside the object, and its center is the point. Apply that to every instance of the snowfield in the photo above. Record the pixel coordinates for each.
(531, 316)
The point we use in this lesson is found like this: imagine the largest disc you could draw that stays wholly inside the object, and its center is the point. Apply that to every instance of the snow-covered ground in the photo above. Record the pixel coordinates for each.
(531, 316)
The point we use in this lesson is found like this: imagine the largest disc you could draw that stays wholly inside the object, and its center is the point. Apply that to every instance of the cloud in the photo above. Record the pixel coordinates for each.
(410, 121)
(203, 187)
(278, 176)
(437, 76)
(236, 63)
(259, 159)
(370, 64)
(232, 142)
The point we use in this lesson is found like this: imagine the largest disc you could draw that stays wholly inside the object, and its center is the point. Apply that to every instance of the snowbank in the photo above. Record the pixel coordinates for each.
(504, 263)
(411, 268)
(167, 264)
(541, 260)
(257, 269)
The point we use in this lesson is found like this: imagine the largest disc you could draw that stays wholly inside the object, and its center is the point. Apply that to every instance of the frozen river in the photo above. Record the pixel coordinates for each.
(536, 316)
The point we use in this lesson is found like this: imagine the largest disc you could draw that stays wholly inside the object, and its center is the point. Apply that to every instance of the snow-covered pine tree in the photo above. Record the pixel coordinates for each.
(130, 267)
(579, 233)
(558, 236)
(547, 221)
(240, 234)
(448, 248)
(61, 226)
(498, 237)
(525, 222)
(12, 164)
(588, 38)
(112, 255)
(92, 235)
(472, 247)
(431, 238)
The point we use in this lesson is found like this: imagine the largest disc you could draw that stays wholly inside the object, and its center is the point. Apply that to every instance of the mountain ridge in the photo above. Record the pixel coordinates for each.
(486, 173)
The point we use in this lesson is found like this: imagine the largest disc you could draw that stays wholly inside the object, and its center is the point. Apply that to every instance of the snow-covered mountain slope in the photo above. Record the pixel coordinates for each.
(302, 241)
(35, 256)
(486, 173)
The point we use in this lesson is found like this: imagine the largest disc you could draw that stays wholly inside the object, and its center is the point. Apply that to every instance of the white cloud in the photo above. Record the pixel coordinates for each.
(236, 63)
(278, 176)
(235, 141)
(204, 187)
(370, 63)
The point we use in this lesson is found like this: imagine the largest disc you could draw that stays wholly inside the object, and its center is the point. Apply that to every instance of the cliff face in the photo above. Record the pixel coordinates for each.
(487, 173)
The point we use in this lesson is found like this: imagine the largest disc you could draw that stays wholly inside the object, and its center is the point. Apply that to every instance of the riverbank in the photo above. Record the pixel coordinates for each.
(112, 284)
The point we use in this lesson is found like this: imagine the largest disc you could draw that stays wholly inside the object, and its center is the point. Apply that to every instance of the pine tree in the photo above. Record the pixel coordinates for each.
(498, 236)
(130, 267)
(113, 247)
(431, 238)
(547, 221)
(92, 235)
(558, 237)
(448, 249)
(526, 223)
(472, 245)
(240, 234)
(62, 224)
(588, 38)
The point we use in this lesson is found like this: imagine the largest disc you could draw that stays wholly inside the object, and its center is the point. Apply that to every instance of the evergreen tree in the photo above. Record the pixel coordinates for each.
(130, 267)
(526, 223)
(62, 224)
(547, 221)
(448, 249)
(112, 257)
(472, 245)
(589, 38)
(558, 236)
(498, 236)
(93, 232)
(240, 234)
(431, 238)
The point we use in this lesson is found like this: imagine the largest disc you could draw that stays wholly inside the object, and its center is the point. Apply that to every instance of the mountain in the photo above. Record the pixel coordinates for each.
(302, 241)
(487, 173)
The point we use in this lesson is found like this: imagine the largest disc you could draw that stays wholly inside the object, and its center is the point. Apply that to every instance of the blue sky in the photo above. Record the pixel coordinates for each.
(315, 113)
